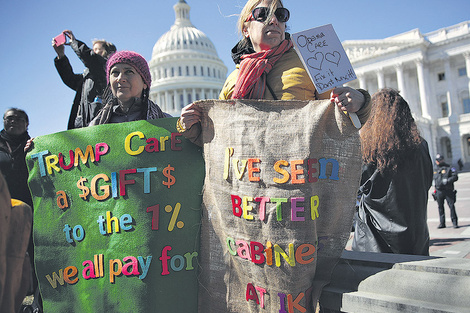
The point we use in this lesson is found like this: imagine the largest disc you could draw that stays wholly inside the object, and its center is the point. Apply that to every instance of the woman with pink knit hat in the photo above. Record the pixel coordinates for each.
(129, 80)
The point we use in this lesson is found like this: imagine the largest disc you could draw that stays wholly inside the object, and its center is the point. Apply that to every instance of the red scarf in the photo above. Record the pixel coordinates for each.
(251, 80)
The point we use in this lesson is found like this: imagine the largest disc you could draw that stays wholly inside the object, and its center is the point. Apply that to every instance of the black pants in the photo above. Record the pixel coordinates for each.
(447, 195)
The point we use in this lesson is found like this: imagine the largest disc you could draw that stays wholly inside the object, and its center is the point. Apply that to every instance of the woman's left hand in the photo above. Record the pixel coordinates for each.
(347, 99)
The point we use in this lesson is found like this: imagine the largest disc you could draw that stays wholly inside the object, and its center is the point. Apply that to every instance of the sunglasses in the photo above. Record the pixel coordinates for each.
(12, 118)
(260, 14)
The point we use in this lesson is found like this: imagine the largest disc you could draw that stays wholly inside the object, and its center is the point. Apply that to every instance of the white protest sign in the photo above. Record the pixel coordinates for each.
(324, 59)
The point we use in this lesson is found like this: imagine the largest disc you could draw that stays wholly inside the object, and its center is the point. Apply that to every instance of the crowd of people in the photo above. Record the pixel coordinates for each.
(114, 88)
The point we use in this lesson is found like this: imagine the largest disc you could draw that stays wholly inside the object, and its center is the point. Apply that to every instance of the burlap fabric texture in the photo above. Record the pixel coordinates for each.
(302, 158)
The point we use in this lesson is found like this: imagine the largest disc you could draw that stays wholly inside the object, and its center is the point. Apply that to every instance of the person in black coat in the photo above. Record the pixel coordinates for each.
(89, 85)
(396, 177)
(13, 139)
(444, 178)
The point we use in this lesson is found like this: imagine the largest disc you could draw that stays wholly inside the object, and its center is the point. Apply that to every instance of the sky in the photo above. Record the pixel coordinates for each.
(30, 81)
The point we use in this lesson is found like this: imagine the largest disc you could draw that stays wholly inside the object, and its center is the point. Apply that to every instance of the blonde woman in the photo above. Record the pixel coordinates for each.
(267, 67)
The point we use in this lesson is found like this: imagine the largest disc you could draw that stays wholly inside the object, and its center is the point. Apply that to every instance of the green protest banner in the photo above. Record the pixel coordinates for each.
(117, 218)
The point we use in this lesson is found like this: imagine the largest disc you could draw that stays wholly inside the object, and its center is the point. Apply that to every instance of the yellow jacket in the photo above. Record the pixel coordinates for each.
(289, 80)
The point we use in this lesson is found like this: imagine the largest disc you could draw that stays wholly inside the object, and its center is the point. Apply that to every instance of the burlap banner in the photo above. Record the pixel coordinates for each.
(117, 218)
(117, 210)
(279, 196)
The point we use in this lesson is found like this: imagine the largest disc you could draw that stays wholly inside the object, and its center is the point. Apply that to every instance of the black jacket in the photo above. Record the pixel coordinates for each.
(445, 176)
(13, 165)
(87, 85)
(392, 212)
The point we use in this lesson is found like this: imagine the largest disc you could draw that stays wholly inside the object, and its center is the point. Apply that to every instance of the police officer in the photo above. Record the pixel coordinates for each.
(444, 178)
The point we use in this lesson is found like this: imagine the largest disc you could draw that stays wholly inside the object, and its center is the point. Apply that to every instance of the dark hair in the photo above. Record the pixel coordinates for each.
(109, 47)
(18, 111)
(145, 95)
(390, 136)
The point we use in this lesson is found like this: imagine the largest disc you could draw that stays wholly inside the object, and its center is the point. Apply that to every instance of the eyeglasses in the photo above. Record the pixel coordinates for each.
(260, 14)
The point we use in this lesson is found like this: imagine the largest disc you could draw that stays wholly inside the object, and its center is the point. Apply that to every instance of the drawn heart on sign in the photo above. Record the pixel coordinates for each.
(316, 61)
(333, 57)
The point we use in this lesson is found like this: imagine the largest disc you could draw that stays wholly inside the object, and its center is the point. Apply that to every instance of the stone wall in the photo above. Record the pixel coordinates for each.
(380, 282)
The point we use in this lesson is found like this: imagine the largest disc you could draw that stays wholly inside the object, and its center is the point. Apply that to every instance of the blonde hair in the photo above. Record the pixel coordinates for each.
(101, 41)
(250, 6)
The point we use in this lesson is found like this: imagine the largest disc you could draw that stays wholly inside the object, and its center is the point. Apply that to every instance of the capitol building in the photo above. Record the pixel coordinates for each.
(185, 66)
(432, 73)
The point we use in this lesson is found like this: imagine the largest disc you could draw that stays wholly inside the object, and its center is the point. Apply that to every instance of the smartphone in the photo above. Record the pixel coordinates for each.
(60, 39)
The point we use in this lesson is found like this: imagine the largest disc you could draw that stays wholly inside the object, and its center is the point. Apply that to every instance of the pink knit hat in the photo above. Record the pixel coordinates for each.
(134, 59)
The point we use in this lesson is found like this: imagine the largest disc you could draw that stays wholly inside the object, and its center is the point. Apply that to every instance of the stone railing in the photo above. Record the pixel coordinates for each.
(380, 282)
(448, 32)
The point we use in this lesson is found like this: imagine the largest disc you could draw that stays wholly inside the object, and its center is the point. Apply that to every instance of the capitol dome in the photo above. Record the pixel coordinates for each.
(185, 66)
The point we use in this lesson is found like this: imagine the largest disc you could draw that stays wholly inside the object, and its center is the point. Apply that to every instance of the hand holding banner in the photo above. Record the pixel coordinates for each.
(325, 60)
